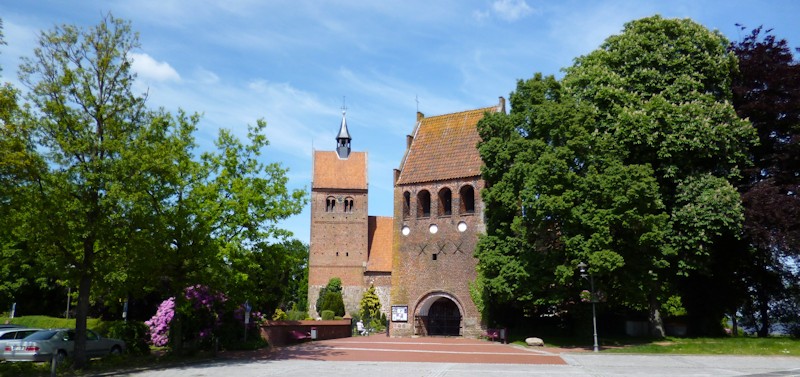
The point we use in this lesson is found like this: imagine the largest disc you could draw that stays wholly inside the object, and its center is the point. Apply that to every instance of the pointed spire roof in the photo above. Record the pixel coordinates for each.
(343, 133)
(343, 139)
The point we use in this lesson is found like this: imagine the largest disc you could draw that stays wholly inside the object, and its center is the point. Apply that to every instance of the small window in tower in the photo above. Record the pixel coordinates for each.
(406, 204)
(348, 204)
(434, 256)
(467, 194)
(445, 202)
(424, 204)
(330, 204)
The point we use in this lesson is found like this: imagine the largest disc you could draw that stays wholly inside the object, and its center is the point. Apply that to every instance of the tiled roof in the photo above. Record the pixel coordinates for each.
(444, 147)
(380, 244)
(331, 172)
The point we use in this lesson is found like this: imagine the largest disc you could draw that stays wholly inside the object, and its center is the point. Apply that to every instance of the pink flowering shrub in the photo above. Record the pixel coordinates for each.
(159, 324)
(202, 311)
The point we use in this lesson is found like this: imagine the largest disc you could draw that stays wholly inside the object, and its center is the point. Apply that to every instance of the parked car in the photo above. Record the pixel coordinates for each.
(9, 334)
(44, 344)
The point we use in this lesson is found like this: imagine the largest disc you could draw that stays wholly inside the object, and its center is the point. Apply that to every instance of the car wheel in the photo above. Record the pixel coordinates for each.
(115, 351)
(61, 356)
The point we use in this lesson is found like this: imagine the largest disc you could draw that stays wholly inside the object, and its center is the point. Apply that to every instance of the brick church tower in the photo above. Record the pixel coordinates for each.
(438, 214)
(345, 241)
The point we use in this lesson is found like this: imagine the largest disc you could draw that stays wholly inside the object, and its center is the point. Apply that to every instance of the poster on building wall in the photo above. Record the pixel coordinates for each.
(399, 313)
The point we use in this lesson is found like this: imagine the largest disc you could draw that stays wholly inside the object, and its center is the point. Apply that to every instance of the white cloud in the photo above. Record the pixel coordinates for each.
(148, 68)
(511, 10)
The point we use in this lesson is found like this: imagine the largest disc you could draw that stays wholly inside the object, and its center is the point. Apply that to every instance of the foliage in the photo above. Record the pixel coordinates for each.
(115, 192)
(370, 305)
(766, 90)
(618, 165)
(327, 315)
(135, 334)
(330, 297)
(279, 315)
(77, 148)
(334, 302)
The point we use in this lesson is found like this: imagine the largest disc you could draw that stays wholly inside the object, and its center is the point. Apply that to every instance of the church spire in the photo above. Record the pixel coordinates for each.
(343, 139)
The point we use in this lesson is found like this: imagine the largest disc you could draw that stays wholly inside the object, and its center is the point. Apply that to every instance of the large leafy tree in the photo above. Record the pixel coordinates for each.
(86, 125)
(624, 165)
(766, 90)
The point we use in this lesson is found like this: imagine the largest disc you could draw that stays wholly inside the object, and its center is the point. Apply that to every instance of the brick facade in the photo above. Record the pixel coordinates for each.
(421, 258)
(437, 265)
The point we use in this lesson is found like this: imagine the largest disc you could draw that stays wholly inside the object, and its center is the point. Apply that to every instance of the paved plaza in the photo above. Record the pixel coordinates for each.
(379, 356)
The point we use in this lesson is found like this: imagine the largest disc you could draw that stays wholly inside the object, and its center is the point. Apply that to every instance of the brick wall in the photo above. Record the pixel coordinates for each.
(426, 263)
(339, 244)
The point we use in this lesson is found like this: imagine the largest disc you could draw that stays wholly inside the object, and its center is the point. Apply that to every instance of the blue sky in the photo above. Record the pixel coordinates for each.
(292, 62)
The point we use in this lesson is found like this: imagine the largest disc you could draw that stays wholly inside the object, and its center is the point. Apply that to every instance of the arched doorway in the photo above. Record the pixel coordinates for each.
(438, 314)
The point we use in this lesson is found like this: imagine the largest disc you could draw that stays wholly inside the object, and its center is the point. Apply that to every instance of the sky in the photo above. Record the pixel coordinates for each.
(296, 63)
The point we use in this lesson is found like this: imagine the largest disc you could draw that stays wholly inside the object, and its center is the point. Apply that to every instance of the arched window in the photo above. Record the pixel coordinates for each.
(348, 204)
(424, 204)
(445, 202)
(467, 194)
(330, 204)
(406, 204)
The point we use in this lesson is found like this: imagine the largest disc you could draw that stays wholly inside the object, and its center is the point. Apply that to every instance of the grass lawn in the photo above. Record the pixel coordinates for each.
(773, 346)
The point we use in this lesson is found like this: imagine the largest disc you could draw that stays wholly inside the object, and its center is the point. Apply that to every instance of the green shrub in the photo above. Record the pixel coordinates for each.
(135, 334)
(333, 301)
(296, 315)
(327, 315)
(279, 315)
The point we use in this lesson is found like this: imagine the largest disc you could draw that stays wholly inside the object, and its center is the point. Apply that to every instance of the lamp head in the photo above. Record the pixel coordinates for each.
(582, 267)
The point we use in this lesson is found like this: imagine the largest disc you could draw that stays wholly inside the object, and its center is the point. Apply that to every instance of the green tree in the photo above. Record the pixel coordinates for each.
(86, 126)
(615, 166)
(766, 90)
(269, 276)
(370, 306)
(330, 297)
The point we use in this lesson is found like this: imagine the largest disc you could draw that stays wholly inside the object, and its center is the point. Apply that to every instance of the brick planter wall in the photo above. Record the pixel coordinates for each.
(276, 333)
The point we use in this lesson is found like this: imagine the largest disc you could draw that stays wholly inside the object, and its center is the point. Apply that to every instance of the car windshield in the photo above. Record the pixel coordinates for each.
(41, 335)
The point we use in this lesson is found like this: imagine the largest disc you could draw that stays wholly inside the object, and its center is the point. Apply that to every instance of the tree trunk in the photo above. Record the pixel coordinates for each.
(81, 313)
(656, 323)
(735, 325)
(763, 309)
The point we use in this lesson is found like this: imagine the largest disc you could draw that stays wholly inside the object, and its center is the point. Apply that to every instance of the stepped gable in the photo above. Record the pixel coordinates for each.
(444, 147)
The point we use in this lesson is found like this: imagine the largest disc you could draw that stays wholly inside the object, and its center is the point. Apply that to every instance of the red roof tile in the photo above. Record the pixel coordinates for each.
(331, 172)
(380, 244)
(444, 147)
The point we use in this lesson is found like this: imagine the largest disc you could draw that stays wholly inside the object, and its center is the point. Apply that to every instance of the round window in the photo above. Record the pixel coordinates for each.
(405, 230)
(433, 229)
(462, 226)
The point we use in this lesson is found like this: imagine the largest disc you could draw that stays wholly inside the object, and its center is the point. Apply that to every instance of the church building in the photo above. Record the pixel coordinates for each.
(421, 260)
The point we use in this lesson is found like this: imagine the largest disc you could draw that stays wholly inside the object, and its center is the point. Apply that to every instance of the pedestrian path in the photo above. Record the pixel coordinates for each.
(428, 349)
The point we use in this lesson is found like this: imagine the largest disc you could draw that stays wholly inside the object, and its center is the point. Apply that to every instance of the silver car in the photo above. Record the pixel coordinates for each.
(43, 345)
(9, 334)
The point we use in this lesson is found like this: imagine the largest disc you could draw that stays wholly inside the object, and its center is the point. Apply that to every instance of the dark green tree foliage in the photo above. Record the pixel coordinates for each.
(623, 165)
(87, 121)
(271, 274)
(330, 298)
(766, 90)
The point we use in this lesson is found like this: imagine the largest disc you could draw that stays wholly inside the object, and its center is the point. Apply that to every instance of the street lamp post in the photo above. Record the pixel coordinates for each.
(584, 274)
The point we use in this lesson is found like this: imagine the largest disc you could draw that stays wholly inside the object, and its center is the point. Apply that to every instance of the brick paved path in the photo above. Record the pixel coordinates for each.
(428, 349)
